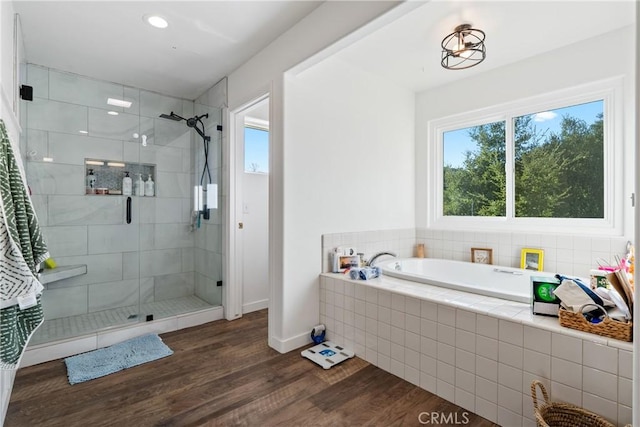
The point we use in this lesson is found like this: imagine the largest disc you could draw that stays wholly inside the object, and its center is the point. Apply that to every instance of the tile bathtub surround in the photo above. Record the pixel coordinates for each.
(482, 355)
(567, 254)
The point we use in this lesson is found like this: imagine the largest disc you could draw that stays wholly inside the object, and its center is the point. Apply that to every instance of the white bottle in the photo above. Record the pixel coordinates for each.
(126, 184)
(139, 186)
(149, 189)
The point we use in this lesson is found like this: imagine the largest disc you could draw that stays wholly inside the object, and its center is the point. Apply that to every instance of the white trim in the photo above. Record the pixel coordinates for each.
(252, 122)
(285, 346)
(609, 90)
(255, 306)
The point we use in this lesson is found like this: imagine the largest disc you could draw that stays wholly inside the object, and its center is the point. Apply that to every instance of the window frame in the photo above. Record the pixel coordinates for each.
(609, 91)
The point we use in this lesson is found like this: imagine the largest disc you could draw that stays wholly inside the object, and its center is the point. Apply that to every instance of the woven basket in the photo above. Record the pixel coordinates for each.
(557, 414)
(607, 328)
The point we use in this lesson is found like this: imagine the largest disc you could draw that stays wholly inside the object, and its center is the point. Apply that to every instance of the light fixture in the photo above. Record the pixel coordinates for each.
(47, 159)
(115, 164)
(84, 132)
(156, 21)
(93, 162)
(119, 102)
(112, 113)
(463, 48)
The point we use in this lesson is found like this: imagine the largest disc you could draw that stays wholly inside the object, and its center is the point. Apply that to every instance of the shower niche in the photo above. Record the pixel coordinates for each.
(104, 177)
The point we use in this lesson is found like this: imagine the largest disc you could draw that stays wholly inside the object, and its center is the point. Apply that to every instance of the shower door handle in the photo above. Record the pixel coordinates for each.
(128, 210)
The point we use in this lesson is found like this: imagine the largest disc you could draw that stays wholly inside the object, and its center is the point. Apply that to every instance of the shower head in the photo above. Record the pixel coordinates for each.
(173, 116)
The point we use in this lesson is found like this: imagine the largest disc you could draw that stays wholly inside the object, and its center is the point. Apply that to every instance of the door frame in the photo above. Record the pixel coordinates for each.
(234, 264)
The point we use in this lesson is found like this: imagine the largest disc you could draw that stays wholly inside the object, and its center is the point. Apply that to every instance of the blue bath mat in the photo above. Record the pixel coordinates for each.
(105, 361)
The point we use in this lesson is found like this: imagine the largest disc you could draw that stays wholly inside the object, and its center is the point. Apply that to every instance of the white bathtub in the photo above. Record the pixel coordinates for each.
(490, 280)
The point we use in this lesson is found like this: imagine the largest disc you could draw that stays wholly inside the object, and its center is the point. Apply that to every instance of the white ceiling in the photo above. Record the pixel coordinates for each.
(205, 40)
(407, 51)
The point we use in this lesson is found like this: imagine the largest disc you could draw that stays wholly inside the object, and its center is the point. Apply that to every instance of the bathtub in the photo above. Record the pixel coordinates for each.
(490, 280)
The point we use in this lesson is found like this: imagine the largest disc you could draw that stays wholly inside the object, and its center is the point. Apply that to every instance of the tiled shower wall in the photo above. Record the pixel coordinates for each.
(566, 254)
(151, 259)
(209, 251)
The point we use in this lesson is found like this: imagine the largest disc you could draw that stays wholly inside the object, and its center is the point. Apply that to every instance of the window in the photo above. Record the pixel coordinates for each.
(256, 150)
(545, 163)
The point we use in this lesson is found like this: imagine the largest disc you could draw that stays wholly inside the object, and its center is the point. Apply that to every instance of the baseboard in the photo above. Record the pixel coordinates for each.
(289, 344)
(6, 384)
(255, 306)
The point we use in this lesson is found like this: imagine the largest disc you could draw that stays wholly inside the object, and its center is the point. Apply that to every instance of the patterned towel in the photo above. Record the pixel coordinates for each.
(22, 248)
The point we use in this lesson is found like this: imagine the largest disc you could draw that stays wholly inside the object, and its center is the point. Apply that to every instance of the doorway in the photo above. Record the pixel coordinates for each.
(250, 213)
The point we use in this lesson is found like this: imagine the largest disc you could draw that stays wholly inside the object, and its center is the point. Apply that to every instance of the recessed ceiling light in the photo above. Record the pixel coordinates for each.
(83, 132)
(113, 113)
(157, 21)
(119, 102)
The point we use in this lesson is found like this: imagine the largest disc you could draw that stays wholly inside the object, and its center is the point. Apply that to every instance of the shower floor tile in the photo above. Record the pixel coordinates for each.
(82, 324)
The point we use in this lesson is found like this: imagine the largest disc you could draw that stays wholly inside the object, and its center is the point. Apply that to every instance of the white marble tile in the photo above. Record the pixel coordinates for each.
(564, 393)
(509, 399)
(169, 184)
(173, 236)
(206, 289)
(511, 332)
(566, 372)
(177, 135)
(37, 145)
(510, 377)
(600, 383)
(487, 326)
(56, 116)
(166, 159)
(188, 260)
(600, 357)
(486, 409)
(537, 363)
(537, 339)
(74, 149)
(85, 210)
(160, 262)
(114, 294)
(487, 368)
(76, 89)
(510, 354)
(487, 347)
(174, 286)
(120, 127)
(64, 302)
(603, 407)
(56, 179)
(113, 238)
(625, 363)
(66, 240)
(565, 347)
(38, 77)
(153, 104)
(100, 268)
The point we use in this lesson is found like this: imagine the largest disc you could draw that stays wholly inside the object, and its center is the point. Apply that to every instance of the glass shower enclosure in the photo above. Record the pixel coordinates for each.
(148, 253)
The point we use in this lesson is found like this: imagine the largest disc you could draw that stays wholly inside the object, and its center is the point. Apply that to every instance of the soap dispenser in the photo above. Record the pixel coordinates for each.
(139, 186)
(126, 184)
(149, 187)
(90, 183)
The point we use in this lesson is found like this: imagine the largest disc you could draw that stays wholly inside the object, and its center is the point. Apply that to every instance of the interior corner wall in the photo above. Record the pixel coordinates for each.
(349, 147)
(263, 73)
(580, 63)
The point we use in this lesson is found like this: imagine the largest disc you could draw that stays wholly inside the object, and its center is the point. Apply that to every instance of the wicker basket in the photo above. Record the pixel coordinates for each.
(557, 414)
(607, 328)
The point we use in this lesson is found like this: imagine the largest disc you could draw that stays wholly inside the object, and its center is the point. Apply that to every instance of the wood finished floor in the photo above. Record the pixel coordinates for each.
(224, 374)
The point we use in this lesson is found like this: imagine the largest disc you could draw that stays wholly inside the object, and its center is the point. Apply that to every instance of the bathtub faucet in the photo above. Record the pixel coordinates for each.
(378, 255)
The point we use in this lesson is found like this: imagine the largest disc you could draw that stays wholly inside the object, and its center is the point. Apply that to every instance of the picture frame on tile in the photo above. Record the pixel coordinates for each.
(532, 259)
(482, 255)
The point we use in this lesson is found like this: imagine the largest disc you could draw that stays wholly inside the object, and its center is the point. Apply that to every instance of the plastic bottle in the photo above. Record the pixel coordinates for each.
(139, 186)
(126, 184)
(91, 183)
(149, 187)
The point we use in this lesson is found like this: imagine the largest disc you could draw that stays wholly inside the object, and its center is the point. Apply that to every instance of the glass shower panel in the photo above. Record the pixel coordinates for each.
(70, 129)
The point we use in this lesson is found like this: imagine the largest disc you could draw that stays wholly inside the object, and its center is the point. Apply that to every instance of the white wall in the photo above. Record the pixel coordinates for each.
(348, 149)
(581, 63)
(265, 73)
(255, 235)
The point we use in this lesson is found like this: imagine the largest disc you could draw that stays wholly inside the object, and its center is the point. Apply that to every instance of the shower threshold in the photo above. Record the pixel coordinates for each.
(82, 324)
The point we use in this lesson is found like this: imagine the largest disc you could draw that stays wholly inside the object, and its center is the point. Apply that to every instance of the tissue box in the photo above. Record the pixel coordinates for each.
(544, 301)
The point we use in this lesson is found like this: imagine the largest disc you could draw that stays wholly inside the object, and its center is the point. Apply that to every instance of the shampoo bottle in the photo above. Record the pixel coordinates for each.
(149, 189)
(91, 183)
(126, 184)
(139, 186)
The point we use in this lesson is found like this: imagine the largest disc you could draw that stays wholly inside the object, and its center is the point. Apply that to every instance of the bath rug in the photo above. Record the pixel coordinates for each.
(105, 361)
